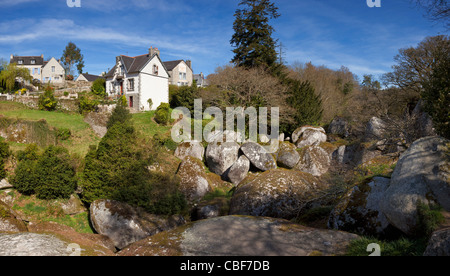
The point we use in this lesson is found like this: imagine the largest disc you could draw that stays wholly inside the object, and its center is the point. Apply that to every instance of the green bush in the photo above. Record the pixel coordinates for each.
(120, 114)
(4, 154)
(55, 175)
(99, 87)
(47, 101)
(162, 115)
(87, 103)
(400, 247)
(118, 169)
(183, 96)
(24, 180)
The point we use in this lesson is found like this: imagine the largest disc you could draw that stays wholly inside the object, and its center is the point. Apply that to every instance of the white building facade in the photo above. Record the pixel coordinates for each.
(139, 79)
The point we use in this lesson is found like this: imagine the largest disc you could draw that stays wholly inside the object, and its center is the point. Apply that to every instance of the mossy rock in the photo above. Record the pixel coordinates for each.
(278, 193)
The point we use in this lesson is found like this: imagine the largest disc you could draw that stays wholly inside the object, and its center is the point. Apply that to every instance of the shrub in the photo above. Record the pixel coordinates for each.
(99, 87)
(47, 101)
(24, 179)
(4, 154)
(150, 103)
(120, 114)
(162, 115)
(66, 94)
(183, 96)
(87, 104)
(55, 175)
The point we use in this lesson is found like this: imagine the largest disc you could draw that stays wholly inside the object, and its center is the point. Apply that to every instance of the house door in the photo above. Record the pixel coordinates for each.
(131, 101)
(121, 88)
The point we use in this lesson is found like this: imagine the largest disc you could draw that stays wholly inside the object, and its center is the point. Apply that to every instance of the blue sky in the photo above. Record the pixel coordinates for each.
(326, 32)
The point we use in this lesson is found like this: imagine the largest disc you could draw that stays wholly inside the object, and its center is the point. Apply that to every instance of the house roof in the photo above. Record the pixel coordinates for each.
(170, 65)
(90, 77)
(132, 64)
(39, 60)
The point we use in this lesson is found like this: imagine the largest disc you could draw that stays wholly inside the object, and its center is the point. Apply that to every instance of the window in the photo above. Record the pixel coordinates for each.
(33, 61)
(131, 84)
(20, 61)
(53, 69)
(182, 76)
(155, 69)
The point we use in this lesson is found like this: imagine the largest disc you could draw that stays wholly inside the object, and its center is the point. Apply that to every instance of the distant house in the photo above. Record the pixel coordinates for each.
(43, 71)
(180, 72)
(139, 79)
(200, 80)
(88, 77)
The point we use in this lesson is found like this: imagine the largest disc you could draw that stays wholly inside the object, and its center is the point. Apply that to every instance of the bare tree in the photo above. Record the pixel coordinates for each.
(437, 10)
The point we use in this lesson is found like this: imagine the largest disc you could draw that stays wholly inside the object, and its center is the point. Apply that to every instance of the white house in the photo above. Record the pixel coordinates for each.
(44, 71)
(139, 79)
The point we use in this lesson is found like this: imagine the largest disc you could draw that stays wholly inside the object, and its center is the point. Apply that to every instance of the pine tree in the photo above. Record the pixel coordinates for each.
(252, 40)
(307, 105)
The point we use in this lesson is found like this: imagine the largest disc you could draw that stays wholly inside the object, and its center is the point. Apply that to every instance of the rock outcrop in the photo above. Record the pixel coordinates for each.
(314, 160)
(422, 175)
(277, 193)
(243, 236)
(193, 179)
(287, 156)
(221, 156)
(125, 225)
(9, 221)
(239, 170)
(439, 244)
(192, 148)
(309, 136)
(258, 156)
(31, 244)
(359, 210)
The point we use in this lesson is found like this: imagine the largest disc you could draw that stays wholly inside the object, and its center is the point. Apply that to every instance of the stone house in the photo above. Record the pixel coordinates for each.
(43, 71)
(180, 71)
(139, 79)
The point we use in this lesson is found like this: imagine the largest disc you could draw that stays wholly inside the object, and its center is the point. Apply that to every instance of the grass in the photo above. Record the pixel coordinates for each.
(82, 136)
(37, 210)
(145, 124)
(400, 247)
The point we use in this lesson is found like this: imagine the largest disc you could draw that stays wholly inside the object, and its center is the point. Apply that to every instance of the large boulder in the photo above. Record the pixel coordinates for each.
(239, 170)
(375, 129)
(314, 160)
(221, 156)
(276, 193)
(125, 225)
(287, 156)
(9, 222)
(423, 123)
(190, 148)
(243, 236)
(309, 136)
(339, 126)
(359, 210)
(258, 156)
(422, 175)
(439, 244)
(194, 182)
(31, 244)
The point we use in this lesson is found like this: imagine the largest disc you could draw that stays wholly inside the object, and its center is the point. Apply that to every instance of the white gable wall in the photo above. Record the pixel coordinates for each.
(155, 87)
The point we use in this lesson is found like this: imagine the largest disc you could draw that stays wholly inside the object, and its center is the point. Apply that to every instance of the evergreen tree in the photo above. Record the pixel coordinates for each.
(252, 40)
(307, 105)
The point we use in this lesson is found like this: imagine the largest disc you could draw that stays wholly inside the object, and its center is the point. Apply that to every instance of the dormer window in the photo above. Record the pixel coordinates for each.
(33, 61)
(20, 61)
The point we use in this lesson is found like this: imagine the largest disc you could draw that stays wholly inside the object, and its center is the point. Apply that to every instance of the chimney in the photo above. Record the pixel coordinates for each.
(42, 56)
(152, 51)
(189, 63)
(11, 58)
